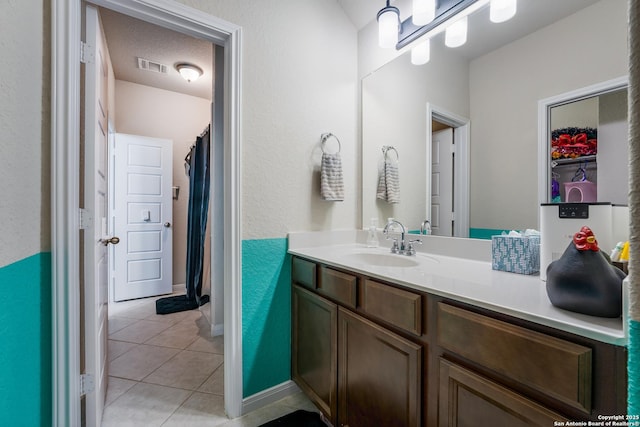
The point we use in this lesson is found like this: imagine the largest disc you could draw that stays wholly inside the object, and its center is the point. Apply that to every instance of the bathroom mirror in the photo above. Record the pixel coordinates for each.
(493, 86)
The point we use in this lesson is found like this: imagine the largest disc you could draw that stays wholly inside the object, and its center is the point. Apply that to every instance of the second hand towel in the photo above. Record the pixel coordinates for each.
(389, 183)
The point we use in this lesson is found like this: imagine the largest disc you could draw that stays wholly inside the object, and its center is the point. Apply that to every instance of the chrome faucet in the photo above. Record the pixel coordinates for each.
(401, 247)
(396, 248)
(425, 227)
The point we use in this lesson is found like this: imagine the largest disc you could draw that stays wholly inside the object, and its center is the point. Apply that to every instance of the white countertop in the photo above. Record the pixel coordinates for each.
(467, 280)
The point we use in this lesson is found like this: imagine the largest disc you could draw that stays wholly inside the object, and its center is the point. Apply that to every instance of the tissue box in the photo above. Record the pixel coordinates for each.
(516, 254)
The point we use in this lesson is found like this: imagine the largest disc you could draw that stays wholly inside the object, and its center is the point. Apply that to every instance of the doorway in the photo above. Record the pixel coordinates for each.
(65, 189)
(439, 118)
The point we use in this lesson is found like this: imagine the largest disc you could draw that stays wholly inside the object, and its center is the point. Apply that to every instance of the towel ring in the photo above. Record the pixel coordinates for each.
(326, 136)
(387, 148)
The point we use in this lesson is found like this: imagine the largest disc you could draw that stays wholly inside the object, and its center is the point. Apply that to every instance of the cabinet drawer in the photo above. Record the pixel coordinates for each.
(341, 287)
(556, 367)
(303, 272)
(396, 306)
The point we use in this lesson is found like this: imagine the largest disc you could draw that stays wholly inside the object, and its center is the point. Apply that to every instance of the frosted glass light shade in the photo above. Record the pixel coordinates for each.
(424, 11)
(421, 53)
(502, 10)
(388, 25)
(189, 72)
(456, 33)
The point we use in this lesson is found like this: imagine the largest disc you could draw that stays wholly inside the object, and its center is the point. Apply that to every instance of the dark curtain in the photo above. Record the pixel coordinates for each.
(197, 214)
(198, 168)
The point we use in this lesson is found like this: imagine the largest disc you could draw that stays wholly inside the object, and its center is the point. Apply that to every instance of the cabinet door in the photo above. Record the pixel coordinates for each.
(468, 399)
(314, 353)
(379, 375)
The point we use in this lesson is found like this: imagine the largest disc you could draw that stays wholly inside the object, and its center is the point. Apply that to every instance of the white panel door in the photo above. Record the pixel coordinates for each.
(142, 217)
(96, 238)
(442, 182)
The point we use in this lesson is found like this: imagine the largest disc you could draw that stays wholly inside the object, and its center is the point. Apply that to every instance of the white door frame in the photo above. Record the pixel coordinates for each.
(461, 164)
(65, 142)
(544, 133)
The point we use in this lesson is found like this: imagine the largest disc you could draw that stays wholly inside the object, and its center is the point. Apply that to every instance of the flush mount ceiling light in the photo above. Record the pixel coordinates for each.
(189, 72)
(388, 26)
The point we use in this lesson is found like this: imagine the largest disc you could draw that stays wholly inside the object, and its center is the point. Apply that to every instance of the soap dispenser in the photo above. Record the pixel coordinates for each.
(372, 238)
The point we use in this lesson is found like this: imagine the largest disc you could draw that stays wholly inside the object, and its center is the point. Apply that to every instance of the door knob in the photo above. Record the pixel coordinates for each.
(113, 240)
(167, 224)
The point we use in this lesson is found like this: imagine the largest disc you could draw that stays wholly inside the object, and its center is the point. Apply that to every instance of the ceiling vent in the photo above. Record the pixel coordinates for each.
(156, 67)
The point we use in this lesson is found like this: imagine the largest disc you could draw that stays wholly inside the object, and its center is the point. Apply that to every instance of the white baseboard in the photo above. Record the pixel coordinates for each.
(268, 396)
(217, 330)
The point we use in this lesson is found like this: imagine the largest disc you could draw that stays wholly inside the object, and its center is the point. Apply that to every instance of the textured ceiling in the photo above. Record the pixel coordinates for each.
(129, 38)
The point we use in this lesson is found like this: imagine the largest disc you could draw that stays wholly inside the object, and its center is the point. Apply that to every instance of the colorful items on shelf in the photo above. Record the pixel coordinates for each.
(570, 143)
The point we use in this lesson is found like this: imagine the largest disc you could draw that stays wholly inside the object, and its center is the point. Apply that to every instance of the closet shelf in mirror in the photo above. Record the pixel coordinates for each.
(558, 162)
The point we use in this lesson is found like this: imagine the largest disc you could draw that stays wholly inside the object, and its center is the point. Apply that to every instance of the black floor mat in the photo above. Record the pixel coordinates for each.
(298, 418)
(178, 303)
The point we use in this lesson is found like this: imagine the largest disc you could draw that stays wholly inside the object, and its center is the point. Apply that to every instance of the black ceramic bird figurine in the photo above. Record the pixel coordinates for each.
(583, 281)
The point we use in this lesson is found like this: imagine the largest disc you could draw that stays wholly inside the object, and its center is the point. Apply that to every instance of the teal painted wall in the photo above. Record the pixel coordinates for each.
(266, 314)
(484, 233)
(633, 370)
(25, 337)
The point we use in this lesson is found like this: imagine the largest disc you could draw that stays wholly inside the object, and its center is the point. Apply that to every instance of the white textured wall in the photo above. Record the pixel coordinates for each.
(580, 50)
(147, 111)
(299, 81)
(613, 148)
(24, 131)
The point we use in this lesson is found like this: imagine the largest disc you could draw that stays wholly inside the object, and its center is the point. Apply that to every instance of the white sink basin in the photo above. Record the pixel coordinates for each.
(383, 260)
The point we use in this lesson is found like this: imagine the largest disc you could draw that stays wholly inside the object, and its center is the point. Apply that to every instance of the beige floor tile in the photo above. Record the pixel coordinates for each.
(208, 344)
(118, 348)
(145, 405)
(175, 317)
(187, 370)
(117, 323)
(139, 332)
(299, 401)
(140, 361)
(200, 410)
(215, 383)
(116, 388)
(180, 335)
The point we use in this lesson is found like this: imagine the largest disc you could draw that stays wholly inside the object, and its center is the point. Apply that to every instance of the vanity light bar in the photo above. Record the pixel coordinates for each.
(445, 14)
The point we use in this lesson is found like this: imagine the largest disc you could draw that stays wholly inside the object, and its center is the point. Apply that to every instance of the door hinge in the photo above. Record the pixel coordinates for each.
(84, 219)
(87, 384)
(86, 53)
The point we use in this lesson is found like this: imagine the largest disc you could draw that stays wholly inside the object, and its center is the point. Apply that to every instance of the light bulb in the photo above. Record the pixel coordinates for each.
(502, 10)
(456, 33)
(424, 11)
(388, 25)
(421, 53)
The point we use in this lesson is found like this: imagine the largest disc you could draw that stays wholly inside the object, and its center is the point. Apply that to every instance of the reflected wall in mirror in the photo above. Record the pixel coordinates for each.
(497, 87)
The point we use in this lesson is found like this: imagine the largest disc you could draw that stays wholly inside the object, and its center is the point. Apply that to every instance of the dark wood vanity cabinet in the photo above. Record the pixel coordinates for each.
(314, 349)
(378, 375)
(370, 353)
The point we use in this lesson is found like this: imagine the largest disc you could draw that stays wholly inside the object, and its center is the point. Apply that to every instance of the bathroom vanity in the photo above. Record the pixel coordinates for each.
(432, 340)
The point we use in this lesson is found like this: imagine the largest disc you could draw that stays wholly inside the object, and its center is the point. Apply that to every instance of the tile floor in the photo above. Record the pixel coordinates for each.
(166, 370)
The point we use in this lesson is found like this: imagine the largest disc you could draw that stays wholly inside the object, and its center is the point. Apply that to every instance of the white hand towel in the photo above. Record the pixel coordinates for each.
(331, 183)
(389, 183)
